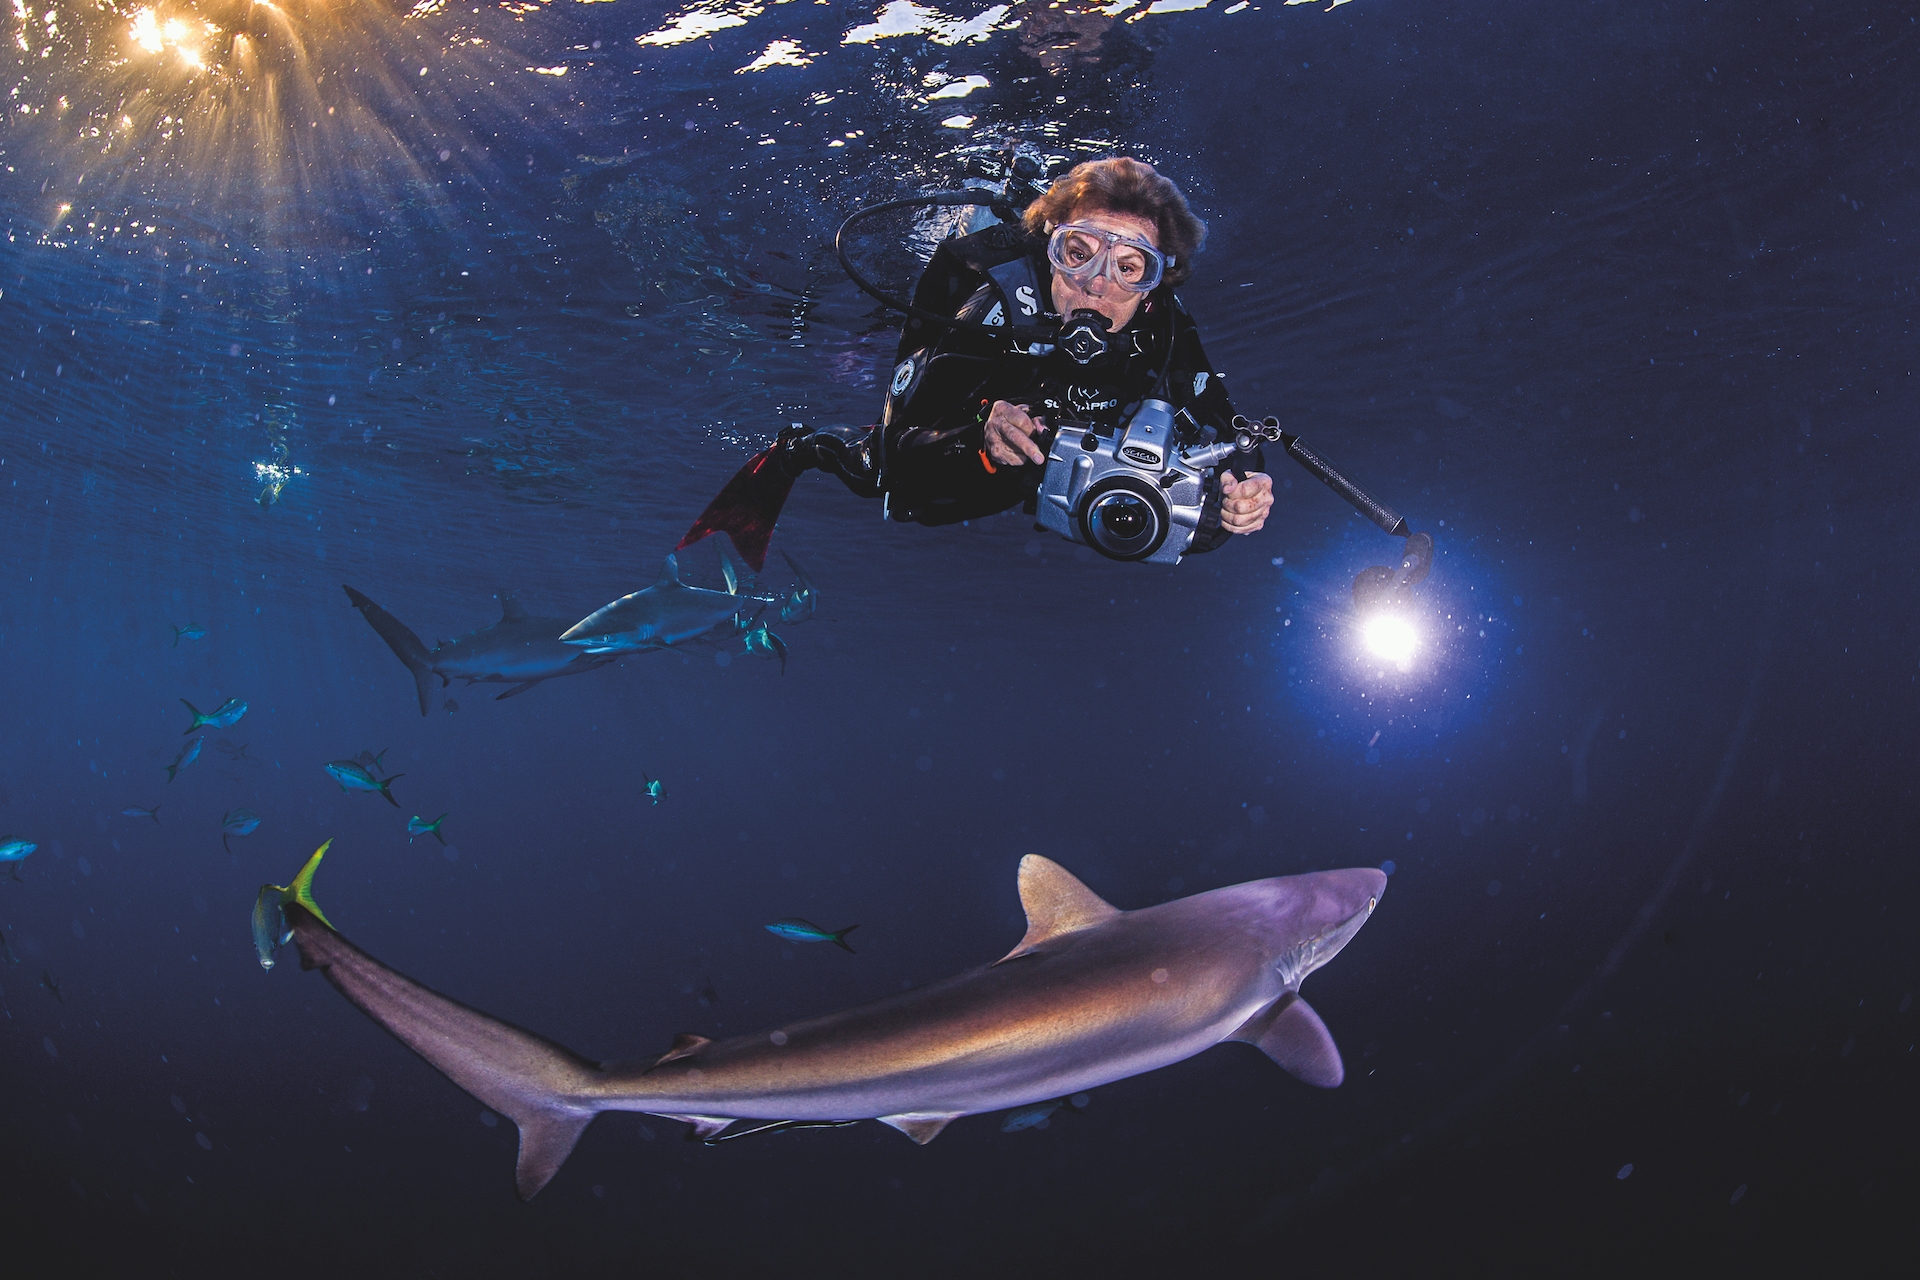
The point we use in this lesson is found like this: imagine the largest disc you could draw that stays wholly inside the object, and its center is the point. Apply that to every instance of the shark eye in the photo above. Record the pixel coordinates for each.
(1370, 905)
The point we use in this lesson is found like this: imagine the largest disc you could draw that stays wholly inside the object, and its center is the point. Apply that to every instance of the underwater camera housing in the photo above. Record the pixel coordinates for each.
(1133, 494)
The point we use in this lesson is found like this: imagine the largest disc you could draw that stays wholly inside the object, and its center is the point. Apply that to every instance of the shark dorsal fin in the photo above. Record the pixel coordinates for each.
(685, 1045)
(511, 610)
(669, 572)
(1056, 903)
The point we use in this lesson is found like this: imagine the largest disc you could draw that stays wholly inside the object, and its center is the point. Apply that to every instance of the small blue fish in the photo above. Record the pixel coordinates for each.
(801, 602)
(14, 849)
(270, 929)
(1036, 1114)
(655, 791)
(192, 631)
(763, 643)
(238, 822)
(135, 811)
(353, 776)
(221, 717)
(418, 826)
(795, 929)
(188, 754)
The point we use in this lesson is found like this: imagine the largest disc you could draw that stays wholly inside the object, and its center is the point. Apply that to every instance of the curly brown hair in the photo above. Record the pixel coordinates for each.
(1125, 185)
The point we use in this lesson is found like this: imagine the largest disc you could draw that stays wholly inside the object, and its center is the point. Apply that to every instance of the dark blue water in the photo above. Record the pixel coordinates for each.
(1617, 300)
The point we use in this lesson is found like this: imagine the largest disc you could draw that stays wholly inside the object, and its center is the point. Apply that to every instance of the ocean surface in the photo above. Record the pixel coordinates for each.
(457, 303)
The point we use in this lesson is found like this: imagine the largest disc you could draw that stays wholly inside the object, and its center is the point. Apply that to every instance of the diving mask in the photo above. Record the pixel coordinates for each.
(1080, 252)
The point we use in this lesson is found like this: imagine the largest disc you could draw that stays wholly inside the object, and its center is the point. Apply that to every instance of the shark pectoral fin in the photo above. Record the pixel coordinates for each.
(922, 1126)
(522, 687)
(1056, 903)
(685, 1045)
(1291, 1033)
(703, 1126)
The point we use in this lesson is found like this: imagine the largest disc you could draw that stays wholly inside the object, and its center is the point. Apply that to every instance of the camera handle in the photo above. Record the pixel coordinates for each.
(1247, 432)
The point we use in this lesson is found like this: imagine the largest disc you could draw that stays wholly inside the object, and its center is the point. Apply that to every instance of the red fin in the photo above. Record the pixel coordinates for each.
(746, 509)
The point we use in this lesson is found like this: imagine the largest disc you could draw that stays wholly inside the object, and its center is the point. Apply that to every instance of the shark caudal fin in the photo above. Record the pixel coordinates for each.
(406, 646)
(540, 1086)
(746, 508)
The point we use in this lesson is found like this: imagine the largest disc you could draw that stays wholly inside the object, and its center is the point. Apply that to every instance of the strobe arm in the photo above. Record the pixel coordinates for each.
(1247, 431)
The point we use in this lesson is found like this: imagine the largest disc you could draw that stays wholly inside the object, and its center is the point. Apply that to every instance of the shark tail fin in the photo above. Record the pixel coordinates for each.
(545, 1089)
(406, 646)
(840, 939)
(747, 508)
(301, 890)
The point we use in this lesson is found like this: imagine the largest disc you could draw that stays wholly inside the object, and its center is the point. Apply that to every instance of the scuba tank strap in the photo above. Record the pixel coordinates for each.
(1020, 286)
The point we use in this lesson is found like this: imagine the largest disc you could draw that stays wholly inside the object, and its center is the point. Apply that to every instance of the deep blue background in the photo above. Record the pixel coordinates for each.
(1615, 299)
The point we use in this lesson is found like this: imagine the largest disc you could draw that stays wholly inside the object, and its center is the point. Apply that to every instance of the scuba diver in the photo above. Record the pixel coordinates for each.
(1055, 329)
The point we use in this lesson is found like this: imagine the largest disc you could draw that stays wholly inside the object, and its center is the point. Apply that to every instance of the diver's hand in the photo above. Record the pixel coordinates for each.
(1010, 436)
(1245, 502)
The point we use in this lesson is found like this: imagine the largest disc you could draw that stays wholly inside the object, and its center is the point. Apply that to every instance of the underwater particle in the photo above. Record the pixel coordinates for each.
(1388, 867)
(450, 853)
(206, 1143)
(179, 1103)
(46, 1042)
(452, 706)
(1738, 1192)
(1626, 1171)
(1493, 888)
(923, 763)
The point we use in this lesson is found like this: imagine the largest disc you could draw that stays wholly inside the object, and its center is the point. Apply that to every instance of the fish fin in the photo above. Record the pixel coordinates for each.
(522, 687)
(703, 1126)
(173, 769)
(301, 890)
(512, 610)
(154, 813)
(223, 842)
(685, 1045)
(840, 939)
(1291, 1033)
(1056, 903)
(669, 572)
(746, 509)
(198, 719)
(436, 828)
(176, 637)
(545, 1089)
(387, 782)
(922, 1126)
(406, 646)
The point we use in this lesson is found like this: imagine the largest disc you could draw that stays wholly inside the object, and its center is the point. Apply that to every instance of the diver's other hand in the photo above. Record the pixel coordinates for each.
(1010, 436)
(1245, 503)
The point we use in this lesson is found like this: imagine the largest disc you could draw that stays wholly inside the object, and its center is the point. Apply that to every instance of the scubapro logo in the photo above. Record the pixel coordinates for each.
(902, 376)
(1028, 304)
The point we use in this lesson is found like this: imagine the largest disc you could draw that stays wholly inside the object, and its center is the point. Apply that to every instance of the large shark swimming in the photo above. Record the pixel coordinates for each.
(1092, 994)
(665, 614)
(520, 650)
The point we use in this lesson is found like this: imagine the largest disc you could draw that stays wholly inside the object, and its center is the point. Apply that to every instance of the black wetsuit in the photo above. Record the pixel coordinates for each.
(926, 456)
(928, 448)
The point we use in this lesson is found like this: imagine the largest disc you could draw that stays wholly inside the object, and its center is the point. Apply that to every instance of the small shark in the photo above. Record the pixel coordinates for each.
(238, 822)
(520, 650)
(418, 826)
(188, 754)
(353, 776)
(192, 631)
(794, 929)
(665, 614)
(135, 811)
(1091, 995)
(270, 931)
(221, 717)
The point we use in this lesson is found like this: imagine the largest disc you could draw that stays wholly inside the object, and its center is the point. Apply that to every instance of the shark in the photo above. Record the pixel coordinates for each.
(1092, 994)
(665, 614)
(520, 650)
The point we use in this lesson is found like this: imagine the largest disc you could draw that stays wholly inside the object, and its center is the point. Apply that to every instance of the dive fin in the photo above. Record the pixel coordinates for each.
(1291, 1033)
(522, 687)
(301, 890)
(406, 646)
(746, 508)
(1056, 903)
(922, 1126)
(532, 1081)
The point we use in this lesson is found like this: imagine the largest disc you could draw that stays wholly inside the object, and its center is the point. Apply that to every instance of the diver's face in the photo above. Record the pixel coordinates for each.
(1101, 294)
